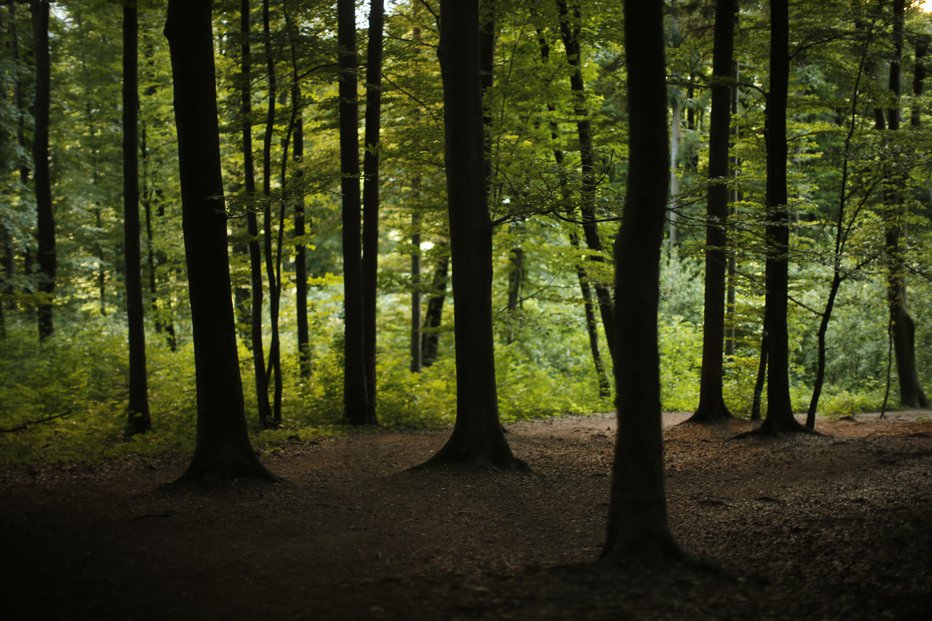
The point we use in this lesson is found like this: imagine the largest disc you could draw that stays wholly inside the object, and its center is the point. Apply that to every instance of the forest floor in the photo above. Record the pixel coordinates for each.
(831, 526)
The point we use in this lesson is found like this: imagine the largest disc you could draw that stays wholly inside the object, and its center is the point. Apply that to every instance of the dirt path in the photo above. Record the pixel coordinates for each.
(833, 526)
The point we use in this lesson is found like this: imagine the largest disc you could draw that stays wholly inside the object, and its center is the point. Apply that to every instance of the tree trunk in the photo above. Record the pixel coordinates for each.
(711, 401)
(637, 519)
(370, 193)
(304, 342)
(430, 334)
(357, 410)
(138, 419)
(273, 370)
(569, 31)
(730, 297)
(45, 217)
(252, 222)
(584, 285)
(901, 323)
(477, 439)
(779, 417)
(417, 351)
(674, 159)
(223, 451)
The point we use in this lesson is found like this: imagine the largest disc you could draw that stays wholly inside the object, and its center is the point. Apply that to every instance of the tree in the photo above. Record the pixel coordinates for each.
(902, 325)
(357, 410)
(711, 402)
(779, 417)
(569, 31)
(637, 519)
(138, 419)
(45, 227)
(252, 223)
(477, 439)
(370, 192)
(223, 451)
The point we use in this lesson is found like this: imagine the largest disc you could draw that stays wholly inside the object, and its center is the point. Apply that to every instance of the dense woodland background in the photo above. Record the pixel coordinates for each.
(556, 146)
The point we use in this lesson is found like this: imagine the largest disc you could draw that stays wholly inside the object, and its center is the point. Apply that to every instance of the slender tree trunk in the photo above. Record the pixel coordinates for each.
(252, 223)
(637, 519)
(417, 352)
(840, 239)
(584, 285)
(138, 419)
(477, 439)
(45, 227)
(430, 334)
(515, 281)
(605, 388)
(370, 194)
(711, 401)
(569, 31)
(730, 293)
(274, 368)
(304, 342)
(357, 410)
(674, 175)
(779, 416)
(902, 324)
(223, 451)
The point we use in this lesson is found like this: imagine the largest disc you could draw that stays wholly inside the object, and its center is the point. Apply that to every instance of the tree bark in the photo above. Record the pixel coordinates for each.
(45, 216)
(357, 410)
(637, 519)
(711, 401)
(569, 32)
(138, 419)
(370, 193)
(252, 222)
(477, 439)
(223, 451)
(779, 417)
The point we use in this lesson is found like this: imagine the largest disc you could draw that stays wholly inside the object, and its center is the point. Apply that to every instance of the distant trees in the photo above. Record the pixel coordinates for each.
(223, 451)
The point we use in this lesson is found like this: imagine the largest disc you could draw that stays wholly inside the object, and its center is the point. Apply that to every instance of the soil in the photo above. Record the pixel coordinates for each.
(831, 526)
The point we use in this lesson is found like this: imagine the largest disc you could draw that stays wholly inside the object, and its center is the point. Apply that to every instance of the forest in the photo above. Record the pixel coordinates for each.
(419, 308)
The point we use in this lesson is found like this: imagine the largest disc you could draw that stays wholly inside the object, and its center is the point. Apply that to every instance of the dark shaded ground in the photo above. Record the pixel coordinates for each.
(816, 527)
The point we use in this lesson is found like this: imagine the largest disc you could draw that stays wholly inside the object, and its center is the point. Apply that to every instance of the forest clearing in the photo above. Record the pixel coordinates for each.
(831, 526)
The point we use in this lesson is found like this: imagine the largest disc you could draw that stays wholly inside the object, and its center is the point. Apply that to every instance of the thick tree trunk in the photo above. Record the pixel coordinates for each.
(711, 401)
(45, 217)
(779, 417)
(430, 334)
(223, 451)
(252, 222)
(138, 419)
(637, 519)
(569, 31)
(370, 193)
(477, 439)
(357, 410)
(901, 323)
